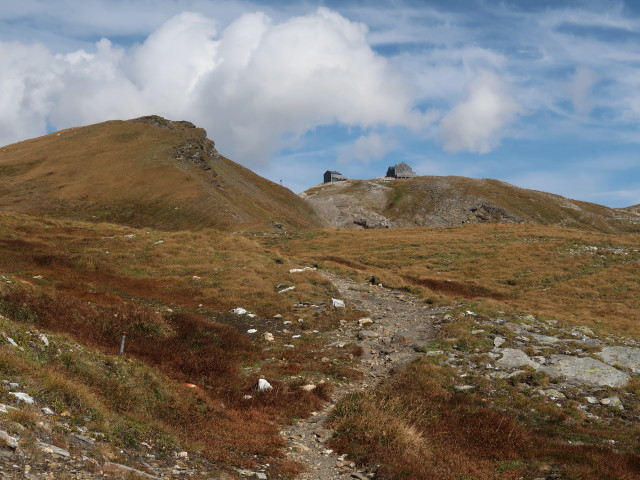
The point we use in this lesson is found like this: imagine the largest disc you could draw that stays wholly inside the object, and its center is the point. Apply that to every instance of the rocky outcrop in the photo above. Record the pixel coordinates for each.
(338, 209)
(448, 201)
(201, 151)
(627, 357)
(158, 121)
(585, 370)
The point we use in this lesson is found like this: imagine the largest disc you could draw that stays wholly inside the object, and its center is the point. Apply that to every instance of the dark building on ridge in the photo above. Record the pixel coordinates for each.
(333, 176)
(401, 170)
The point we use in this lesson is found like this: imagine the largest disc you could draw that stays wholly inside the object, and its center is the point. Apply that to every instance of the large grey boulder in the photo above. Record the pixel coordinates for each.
(515, 358)
(628, 357)
(585, 370)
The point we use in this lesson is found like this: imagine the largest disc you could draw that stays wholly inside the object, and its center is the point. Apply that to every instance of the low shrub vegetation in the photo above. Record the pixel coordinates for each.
(416, 426)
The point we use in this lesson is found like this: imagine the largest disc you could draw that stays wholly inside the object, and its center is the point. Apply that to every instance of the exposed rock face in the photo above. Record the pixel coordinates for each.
(628, 357)
(586, 370)
(200, 152)
(158, 121)
(447, 201)
(339, 209)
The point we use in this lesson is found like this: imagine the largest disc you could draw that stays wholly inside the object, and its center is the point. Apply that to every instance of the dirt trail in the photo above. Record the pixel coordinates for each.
(399, 322)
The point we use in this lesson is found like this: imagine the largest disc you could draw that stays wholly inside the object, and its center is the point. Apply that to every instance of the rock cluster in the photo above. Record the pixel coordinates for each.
(582, 369)
(37, 442)
(581, 366)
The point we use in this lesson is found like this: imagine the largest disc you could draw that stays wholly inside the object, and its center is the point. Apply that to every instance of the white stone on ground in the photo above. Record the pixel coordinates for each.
(25, 397)
(264, 386)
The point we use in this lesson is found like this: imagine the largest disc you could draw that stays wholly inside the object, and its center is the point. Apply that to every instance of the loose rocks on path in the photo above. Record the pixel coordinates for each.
(396, 322)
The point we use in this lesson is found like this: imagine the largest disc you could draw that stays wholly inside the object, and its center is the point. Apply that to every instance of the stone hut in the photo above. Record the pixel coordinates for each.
(333, 176)
(401, 170)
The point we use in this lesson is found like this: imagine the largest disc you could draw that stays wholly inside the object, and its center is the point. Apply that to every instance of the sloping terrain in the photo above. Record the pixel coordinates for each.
(82, 284)
(486, 351)
(632, 209)
(446, 201)
(564, 273)
(547, 293)
(143, 172)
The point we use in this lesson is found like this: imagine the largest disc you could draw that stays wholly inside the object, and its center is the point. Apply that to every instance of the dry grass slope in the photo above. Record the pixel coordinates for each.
(145, 172)
(563, 273)
(171, 292)
(415, 426)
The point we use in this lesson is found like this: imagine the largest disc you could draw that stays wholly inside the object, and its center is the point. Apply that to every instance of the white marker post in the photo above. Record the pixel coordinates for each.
(124, 337)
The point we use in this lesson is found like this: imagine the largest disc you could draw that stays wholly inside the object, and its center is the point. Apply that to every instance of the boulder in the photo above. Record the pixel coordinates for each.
(612, 402)
(585, 370)
(7, 441)
(402, 337)
(53, 450)
(628, 357)
(553, 393)
(25, 397)
(264, 386)
(364, 334)
(363, 322)
(515, 358)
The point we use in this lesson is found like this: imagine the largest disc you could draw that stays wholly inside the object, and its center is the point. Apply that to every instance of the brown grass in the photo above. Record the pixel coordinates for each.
(549, 271)
(127, 172)
(96, 283)
(415, 426)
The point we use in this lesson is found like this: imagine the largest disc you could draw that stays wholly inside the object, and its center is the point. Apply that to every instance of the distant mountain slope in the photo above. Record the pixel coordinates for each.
(444, 201)
(142, 172)
(635, 209)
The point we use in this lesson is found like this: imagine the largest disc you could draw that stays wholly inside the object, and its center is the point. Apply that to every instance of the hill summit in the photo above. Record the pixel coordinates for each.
(446, 201)
(148, 171)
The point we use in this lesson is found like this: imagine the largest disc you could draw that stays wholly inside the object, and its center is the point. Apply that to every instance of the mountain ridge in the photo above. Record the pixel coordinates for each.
(147, 171)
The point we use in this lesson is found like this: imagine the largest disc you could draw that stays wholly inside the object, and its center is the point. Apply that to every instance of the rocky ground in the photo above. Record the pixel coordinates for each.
(336, 207)
(589, 374)
(447, 201)
(396, 322)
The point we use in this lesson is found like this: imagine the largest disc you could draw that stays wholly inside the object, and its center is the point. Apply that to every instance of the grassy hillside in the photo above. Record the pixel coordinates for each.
(144, 172)
(172, 293)
(446, 201)
(564, 273)
(84, 283)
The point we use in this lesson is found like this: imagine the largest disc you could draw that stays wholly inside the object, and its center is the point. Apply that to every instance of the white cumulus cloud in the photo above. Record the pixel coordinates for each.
(478, 123)
(368, 148)
(254, 86)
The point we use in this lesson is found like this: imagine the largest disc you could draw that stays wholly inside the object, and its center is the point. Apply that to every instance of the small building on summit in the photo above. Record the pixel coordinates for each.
(401, 170)
(333, 176)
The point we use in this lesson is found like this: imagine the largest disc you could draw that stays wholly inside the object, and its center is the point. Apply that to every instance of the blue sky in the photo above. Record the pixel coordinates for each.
(541, 94)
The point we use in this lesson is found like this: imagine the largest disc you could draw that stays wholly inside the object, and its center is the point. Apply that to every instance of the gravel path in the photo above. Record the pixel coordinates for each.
(399, 321)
